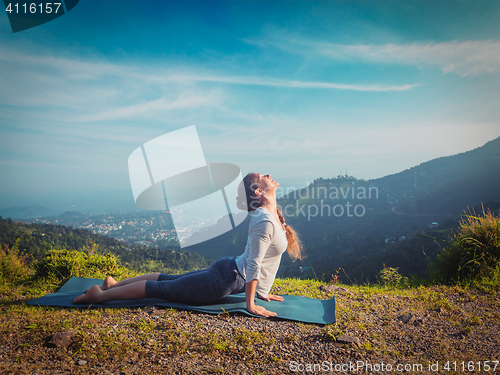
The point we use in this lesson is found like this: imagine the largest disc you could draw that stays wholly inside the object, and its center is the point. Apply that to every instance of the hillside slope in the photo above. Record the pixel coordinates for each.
(449, 184)
(393, 207)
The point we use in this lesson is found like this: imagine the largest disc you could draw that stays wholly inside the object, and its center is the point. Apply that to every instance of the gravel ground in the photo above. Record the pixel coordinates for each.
(413, 331)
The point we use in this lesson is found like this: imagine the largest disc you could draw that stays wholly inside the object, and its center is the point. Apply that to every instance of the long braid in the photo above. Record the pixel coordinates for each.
(294, 248)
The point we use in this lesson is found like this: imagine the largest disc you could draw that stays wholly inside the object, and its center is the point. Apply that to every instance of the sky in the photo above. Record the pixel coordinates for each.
(297, 89)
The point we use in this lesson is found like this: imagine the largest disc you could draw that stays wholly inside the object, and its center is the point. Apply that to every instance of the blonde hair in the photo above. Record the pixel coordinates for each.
(294, 248)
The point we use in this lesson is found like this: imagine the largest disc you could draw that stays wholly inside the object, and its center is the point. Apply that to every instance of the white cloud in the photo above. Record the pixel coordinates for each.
(463, 58)
(58, 77)
(68, 109)
(273, 82)
(158, 105)
(324, 138)
(69, 67)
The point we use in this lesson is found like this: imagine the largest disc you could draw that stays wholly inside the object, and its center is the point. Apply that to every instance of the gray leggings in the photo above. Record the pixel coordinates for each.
(214, 283)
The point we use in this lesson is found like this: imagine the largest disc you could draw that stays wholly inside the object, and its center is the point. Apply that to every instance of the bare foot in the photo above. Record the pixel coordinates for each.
(108, 283)
(91, 295)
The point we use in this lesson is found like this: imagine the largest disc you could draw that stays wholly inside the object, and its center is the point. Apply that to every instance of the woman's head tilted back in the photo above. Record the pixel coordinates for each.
(252, 195)
(247, 193)
(257, 190)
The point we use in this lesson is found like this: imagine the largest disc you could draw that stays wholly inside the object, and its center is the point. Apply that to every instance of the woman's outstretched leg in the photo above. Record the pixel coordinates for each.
(164, 276)
(200, 286)
(135, 290)
(109, 282)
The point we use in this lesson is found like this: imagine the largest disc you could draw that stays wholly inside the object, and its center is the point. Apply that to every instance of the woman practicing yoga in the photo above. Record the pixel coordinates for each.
(252, 272)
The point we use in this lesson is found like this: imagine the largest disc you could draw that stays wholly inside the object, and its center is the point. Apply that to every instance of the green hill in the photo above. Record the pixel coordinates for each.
(36, 240)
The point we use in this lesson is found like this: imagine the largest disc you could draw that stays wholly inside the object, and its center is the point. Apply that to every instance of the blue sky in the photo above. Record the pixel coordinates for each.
(299, 89)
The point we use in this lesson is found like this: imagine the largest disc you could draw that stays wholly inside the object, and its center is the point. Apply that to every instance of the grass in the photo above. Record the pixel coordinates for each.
(469, 310)
(474, 254)
(13, 264)
(298, 287)
(370, 313)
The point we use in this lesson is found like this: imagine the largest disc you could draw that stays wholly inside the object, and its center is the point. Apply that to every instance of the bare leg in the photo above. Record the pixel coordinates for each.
(136, 290)
(109, 282)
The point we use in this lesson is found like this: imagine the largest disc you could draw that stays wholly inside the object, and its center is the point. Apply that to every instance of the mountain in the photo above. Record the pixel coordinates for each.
(447, 185)
(342, 220)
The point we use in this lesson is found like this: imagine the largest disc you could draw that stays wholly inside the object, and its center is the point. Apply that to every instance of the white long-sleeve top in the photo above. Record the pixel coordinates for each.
(265, 245)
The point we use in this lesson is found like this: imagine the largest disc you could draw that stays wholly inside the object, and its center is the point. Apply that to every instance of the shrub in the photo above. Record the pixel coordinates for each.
(391, 277)
(60, 265)
(474, 253)
(13, 264)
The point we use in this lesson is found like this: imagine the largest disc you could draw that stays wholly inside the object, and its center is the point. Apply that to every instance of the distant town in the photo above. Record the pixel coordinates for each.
(140, 227)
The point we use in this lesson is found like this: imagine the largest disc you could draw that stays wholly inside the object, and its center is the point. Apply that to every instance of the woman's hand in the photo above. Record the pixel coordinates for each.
(271, 297)
(251, 306)
(259, 310)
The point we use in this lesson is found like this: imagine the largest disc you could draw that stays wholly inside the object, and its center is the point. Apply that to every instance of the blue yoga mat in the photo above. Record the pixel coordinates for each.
(301, 309)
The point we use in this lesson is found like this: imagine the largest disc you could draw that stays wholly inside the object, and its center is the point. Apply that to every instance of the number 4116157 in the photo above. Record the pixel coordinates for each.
(33, 8)
(470, 366)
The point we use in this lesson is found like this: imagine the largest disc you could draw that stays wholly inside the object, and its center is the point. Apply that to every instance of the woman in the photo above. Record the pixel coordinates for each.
(252, 272)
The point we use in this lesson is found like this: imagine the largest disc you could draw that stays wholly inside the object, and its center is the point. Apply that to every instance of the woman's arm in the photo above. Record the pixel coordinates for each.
(251, 306)
(261, 237)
